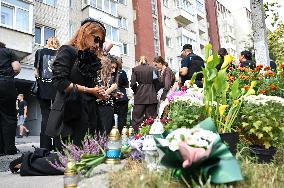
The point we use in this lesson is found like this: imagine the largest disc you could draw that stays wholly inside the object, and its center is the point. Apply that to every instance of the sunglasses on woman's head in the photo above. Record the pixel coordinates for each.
(98, 40)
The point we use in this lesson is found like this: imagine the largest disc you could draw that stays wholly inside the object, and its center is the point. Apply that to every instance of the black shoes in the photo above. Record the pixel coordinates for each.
(20, 136)
(27, 133)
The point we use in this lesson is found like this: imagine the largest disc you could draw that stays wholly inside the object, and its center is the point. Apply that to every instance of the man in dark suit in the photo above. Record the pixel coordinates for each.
(145, 95)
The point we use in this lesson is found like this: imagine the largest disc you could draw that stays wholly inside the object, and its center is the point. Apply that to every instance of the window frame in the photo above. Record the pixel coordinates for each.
(109, 9)
(122, 24)
(124, 2)
(122, 48)
(42, 34)
(45, 2)
(14, 16)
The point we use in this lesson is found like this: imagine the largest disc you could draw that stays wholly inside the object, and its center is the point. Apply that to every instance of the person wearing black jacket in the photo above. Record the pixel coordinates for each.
(9, 67)
(190, 64)
(75, 67)
(246, 60)
(121, 104)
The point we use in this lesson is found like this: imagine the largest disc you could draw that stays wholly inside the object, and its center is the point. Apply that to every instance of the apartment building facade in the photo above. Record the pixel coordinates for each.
(184, 22)
(162, 27)
(229, 24)
(27, 24)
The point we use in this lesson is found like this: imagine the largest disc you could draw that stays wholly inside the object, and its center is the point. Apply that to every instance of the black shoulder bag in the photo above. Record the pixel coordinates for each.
(72, 106)
(34, 88)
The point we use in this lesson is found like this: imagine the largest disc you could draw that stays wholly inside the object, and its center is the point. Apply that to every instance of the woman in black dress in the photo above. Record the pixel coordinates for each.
(74, 76)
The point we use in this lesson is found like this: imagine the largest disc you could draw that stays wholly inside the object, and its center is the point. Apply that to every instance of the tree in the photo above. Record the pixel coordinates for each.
(276, 44)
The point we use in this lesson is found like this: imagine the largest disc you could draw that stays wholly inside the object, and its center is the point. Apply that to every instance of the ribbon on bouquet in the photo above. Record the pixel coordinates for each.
(221, 166)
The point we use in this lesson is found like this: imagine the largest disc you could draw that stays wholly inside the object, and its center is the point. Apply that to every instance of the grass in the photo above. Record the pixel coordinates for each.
(255, 175)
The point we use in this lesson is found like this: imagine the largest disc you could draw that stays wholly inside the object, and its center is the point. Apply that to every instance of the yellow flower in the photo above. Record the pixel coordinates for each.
(237, 101)
(208, 46)
(227, 60)
(210, 58)
(253, 84)
(250, 92)
(222, 109)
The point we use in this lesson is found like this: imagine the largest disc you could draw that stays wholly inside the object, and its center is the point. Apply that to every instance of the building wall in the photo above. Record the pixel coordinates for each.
(227, 30)
(213, 28)
(143, 29)
(127, 35)
(241, 15)
(177, 22)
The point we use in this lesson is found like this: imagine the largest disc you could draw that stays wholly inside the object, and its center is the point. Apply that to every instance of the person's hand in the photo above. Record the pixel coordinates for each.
(99, 92)
(118, 95)
(36, 73)
(25, 116)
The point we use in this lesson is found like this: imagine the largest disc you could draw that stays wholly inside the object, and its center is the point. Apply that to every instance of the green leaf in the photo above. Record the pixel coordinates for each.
(214, 62)
(267, 129)
(235, 91)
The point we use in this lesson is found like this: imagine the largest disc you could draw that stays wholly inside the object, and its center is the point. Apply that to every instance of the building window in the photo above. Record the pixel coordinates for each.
(122, 23)
(48, 2)
(169, 42)
(112, 33)
(187, 6)
(7, 15)
(15, 14)
(71, 30)
(155, 28)
(42, 33)
(170, 62)
(157, 47)
(199, 6)
(108, 6)
(122, 2)
(166, 3)
(167, 21)
(124, 48)
(154, 9)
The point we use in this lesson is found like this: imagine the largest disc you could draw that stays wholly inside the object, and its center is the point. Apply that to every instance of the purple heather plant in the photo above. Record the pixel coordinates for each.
(90, 145)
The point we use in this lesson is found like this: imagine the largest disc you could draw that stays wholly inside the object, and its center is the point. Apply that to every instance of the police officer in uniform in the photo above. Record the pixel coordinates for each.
(190, 64)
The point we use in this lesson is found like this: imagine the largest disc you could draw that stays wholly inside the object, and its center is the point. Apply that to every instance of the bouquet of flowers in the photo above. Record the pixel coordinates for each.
(199, 151)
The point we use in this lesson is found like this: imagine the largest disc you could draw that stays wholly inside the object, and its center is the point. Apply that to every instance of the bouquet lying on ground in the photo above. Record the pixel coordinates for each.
(194, 144)
(199, 151)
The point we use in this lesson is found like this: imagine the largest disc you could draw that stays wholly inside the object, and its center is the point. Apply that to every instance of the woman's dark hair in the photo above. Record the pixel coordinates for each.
(247, 54)
(161, 60)
(2, 45)
(222, 52)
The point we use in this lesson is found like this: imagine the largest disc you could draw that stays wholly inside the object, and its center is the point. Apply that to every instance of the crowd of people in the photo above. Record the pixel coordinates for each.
(81, 86)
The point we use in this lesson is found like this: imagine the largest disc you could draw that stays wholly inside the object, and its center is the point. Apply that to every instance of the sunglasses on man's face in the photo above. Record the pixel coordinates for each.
(98, 40)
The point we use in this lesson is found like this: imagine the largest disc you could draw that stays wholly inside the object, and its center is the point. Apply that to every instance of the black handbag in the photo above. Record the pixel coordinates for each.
(34, 88)
(72, 106)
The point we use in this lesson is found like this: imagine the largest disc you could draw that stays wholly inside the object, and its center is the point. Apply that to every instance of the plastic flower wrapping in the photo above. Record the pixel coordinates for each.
(199, 151)
(195, 137)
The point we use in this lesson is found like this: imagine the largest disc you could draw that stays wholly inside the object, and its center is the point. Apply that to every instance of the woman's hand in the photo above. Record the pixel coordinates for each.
(99, 92)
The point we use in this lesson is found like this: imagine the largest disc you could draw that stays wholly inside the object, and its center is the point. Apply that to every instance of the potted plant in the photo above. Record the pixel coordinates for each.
(262, 124)
(223, 97)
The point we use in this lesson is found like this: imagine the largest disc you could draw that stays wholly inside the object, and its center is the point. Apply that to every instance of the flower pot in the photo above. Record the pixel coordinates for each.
(263, 155)
(231, 140)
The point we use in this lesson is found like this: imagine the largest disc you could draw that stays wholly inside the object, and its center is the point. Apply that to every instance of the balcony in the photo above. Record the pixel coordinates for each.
(20, 42)
(200, 15)
(202, 27)
(184, 32)
(183, 17)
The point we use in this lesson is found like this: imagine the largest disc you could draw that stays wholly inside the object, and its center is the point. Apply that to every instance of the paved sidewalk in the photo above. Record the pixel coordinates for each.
(9, 180)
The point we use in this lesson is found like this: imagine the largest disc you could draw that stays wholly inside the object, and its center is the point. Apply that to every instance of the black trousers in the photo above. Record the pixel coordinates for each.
(121, 109)
(46, 142)
(106, 118)
(141, 111)
(8, 116)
